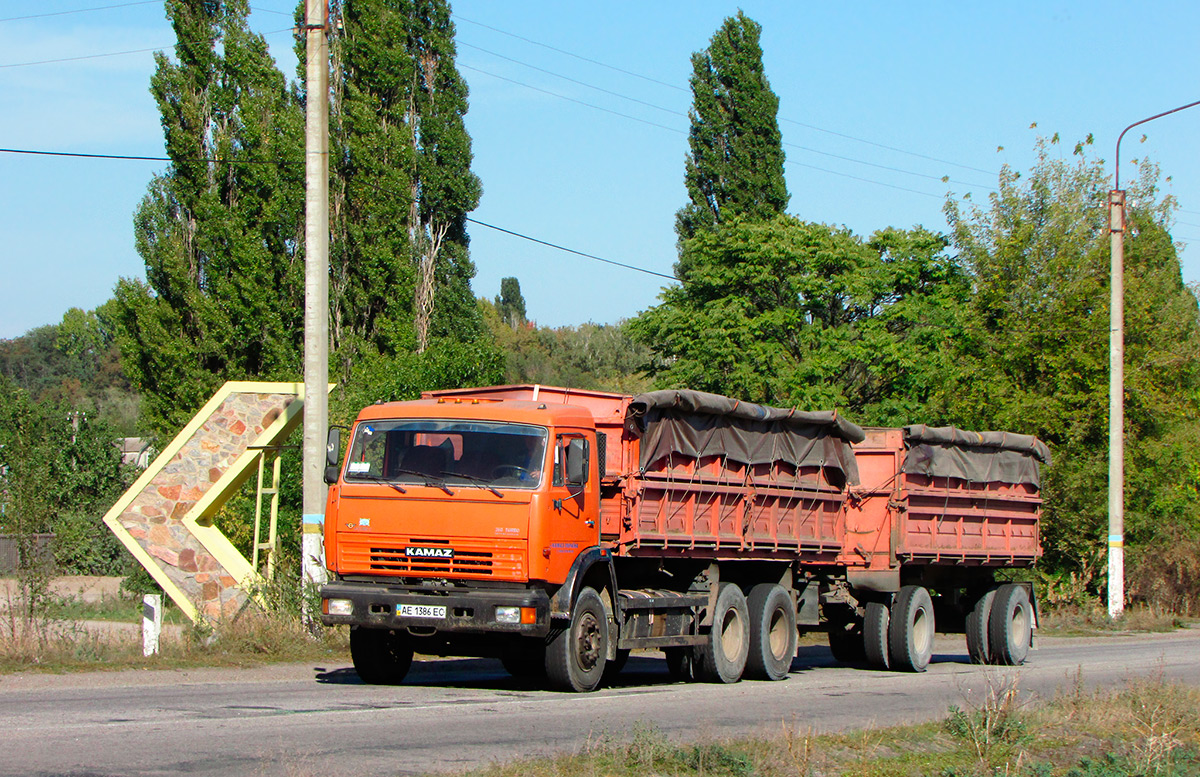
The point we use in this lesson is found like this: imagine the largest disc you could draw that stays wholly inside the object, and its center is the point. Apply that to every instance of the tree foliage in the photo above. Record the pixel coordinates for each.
(793, 313)
(734, 165)
(510, 304)
(1035, 351)
(602, 357)
(220, 229)
(401, 182)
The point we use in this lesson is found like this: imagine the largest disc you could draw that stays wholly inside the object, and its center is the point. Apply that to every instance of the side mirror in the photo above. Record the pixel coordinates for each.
(331, 474)
(333, 446)
(577, 462)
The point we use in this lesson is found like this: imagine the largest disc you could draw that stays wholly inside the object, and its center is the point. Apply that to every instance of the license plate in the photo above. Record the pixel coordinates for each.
(420, 611)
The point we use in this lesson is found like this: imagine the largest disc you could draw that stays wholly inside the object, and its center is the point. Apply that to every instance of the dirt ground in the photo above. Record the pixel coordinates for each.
(87, 588)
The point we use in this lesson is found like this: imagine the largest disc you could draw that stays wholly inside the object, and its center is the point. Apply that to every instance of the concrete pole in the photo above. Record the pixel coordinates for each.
(1116, 408)
(316, 292)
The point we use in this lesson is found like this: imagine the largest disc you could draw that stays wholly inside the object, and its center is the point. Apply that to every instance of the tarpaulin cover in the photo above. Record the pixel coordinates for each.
(694, 423)
(978, 457)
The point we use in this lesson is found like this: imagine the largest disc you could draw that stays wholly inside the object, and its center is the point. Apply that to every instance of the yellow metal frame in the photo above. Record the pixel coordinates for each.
(198, 520)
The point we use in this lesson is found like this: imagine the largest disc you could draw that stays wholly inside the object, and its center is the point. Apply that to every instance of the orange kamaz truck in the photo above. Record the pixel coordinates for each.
(559, 529)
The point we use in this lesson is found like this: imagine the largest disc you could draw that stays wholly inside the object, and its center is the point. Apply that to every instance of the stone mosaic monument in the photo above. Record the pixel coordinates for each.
(164, 519)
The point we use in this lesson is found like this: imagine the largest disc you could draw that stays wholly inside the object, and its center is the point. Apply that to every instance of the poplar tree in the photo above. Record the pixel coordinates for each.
(735, 160)
(401, 182)
(221, 228)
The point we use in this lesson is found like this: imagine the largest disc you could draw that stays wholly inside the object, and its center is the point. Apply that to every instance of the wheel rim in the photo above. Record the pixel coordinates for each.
(778, 639)
(732, 634)
(922, 632)
(1020, 626)
(587, 642)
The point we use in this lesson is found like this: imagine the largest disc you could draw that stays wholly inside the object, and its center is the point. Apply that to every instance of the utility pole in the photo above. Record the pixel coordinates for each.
(316, 292)
(1116, 381)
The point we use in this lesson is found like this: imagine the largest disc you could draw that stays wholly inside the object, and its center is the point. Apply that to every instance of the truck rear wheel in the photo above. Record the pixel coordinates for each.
(381, 656)
(910, 634)
(576, 656)
(722, 659)
(1010, 625)
(978, 648)
(772, 632)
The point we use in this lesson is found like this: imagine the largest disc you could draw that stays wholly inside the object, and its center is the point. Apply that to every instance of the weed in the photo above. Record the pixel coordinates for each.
(993, 725)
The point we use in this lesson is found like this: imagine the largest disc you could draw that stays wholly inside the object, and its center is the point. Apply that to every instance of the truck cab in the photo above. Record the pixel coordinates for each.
(452, 518)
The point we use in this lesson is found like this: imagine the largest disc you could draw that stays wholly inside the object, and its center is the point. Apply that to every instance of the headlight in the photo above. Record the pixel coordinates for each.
(508, 615)
(339, 606)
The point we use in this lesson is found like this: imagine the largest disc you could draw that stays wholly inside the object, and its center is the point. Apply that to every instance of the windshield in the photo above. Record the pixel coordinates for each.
(461, 452)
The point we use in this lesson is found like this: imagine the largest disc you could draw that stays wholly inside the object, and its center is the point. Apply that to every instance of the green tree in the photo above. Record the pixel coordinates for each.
(1035, 349)
(401, 182)
(788, 312)
(219, 230)
(735, 160)
(510, 304)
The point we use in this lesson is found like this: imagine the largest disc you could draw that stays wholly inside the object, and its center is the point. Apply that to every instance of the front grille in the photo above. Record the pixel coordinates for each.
(473, 558)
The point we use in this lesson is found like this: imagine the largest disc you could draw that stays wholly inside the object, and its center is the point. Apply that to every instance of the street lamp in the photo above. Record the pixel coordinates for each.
(1116, 382)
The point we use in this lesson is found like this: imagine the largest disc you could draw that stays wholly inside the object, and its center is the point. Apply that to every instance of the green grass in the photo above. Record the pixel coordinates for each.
(120, 609)
(1074, 621)
(1149, 727)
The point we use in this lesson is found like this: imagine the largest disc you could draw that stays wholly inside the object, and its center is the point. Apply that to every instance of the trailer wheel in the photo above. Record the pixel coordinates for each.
(722, 658)
(977, 629)
(910, 635)
(875, 635)
(381, 656)
(772, 632)
(1010, 625)
(576, 656)
(846, 641)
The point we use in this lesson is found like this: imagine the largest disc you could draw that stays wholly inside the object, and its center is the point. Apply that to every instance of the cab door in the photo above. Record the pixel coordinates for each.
(575, 499)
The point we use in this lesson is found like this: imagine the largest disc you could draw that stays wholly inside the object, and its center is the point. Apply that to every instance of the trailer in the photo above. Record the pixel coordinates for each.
(559, 529)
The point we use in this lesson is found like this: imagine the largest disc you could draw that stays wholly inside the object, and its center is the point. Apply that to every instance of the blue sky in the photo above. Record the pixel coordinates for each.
(878, 101)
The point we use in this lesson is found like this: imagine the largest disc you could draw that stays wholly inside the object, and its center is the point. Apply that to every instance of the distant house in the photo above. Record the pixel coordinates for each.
(136, 451)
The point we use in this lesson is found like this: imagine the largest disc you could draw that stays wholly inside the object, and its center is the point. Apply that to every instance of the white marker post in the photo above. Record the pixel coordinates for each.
(151, 623)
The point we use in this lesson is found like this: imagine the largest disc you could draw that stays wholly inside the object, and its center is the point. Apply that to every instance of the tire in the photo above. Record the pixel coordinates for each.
(680, 663)
(875, 635)
(978, 647)
(1010, 625)
(381, 656)
(846, 642)
(910, 635)
(773, 632)
(576, 656)
(722, 658)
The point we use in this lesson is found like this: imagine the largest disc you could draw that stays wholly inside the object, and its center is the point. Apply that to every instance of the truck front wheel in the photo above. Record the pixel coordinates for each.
(576, 655)
(722, 659)
(381, 656)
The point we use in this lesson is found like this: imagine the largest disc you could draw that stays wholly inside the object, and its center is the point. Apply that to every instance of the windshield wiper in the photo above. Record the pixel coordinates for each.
(475, 479)
(430, 479)
(377, 479)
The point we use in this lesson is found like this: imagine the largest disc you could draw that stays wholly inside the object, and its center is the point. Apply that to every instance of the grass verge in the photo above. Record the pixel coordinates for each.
(1147, 727)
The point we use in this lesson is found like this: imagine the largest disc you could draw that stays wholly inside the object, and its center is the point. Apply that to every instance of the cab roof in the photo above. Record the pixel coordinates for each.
(481, 409)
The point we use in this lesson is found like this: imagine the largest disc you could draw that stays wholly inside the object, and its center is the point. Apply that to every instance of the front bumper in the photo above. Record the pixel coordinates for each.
(467, 610)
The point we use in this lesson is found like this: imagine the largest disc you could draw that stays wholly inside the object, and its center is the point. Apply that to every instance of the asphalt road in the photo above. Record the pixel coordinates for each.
(305, 720)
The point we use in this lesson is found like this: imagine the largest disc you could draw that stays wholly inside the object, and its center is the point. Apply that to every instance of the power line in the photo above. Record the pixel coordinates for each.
(570, 54)
(136, 158)
(78, 10)
(682, 89)
(571, 250)
(114, 53)
(132, 157)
